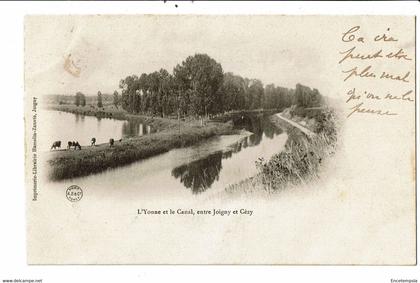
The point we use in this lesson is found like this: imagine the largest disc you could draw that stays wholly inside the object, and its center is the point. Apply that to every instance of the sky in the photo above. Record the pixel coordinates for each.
(284, 50)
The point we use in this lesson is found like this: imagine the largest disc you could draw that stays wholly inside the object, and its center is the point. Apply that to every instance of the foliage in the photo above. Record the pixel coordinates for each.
(117, 99)
(306, 97)
(80, 99)
(202, 76)
(302, 156)
(277, 97)
(198, 86)
(100, 105)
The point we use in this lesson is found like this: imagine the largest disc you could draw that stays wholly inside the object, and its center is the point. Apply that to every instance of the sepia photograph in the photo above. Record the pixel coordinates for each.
(198, 139)
(176, 117)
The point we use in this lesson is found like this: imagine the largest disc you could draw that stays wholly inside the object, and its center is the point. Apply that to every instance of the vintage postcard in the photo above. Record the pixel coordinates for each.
(198, 139)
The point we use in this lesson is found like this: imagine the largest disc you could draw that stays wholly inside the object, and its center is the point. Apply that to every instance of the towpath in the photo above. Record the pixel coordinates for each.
(305, 130)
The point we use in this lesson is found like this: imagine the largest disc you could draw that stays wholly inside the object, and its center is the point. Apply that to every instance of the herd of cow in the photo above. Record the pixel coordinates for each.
(75, 144)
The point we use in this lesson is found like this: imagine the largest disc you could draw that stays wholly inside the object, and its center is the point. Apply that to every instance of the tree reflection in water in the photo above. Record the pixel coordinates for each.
(132, 128)
(199, 175)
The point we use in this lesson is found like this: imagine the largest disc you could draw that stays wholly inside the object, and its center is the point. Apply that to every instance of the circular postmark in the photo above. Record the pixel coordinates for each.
(74, 193)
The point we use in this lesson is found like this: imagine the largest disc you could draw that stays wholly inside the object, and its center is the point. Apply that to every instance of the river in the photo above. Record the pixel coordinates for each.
(209, 166)
(76, 127)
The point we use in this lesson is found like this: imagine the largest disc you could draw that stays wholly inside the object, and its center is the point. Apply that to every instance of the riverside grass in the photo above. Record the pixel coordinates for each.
(299, 162)
(73, 163)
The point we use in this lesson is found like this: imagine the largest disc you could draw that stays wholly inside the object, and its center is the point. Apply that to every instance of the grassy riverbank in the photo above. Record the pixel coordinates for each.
(299, 161)
(170, 133)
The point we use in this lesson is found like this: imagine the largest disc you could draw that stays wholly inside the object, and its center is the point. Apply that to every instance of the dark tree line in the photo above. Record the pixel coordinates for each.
(198, 86)
(306, 97)
(194, 88)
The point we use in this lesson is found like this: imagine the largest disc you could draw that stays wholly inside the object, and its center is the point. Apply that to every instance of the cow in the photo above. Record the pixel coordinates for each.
(111, 142)
(56, 144)
(75, 144)
(93, 141)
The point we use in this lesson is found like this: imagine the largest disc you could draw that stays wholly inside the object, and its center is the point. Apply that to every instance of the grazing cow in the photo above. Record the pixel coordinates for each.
(56, 144)
(93, 141)
(75, 144)
(111, 142)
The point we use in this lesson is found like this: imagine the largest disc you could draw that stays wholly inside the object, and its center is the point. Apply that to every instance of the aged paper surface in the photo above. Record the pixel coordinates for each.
(220, 139)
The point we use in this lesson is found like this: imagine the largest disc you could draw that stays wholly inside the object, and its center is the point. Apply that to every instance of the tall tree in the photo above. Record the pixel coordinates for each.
(307, 97)
(203, 76)
(82, 99)
(129, 86)
(116, 99)
(77, 99)
(233, 90)
(100, 105)
(166, 92)
(256, 92)
(270, 96)
(182, 82)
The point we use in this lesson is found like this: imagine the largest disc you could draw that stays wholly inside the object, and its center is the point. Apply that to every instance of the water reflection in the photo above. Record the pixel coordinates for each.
(134, 128)
(258, 125)
(141, 130)
(199, 175)
(205, 168)
(82, 128)
(130, 129)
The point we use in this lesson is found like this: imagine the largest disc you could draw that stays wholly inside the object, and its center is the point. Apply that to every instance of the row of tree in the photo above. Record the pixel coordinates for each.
(80, 99)
(198, 86)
